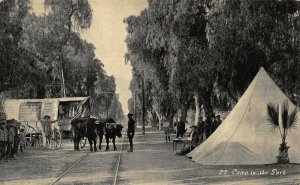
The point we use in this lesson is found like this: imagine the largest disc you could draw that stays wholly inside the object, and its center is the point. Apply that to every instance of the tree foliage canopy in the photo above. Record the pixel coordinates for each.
(40, 53)
(212, 49)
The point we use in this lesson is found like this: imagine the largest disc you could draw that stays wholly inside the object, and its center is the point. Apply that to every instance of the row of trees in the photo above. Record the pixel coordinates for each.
(206, 52)
(45, 56)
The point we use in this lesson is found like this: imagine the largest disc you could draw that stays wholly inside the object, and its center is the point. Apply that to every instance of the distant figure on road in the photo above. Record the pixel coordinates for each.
(167, 131)
(130, 131)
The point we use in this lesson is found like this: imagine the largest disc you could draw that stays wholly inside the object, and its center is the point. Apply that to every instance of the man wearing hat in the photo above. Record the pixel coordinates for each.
(46, 125)
(130, 131)
(200, 128)
(193, 135)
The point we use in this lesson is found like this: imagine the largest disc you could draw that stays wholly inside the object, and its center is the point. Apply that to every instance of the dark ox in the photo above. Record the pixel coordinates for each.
(84, 127)
(87, 127)
(110, 133)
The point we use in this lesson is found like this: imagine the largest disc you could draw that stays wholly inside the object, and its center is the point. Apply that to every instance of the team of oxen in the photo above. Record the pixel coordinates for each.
(91, 128)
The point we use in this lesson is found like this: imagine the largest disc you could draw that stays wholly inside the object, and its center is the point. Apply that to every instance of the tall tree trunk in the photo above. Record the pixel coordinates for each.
(175, 119)
(206, 99)
(170, 120)
(197, 105)
(155, 119)
(183, 111)
(159, 120)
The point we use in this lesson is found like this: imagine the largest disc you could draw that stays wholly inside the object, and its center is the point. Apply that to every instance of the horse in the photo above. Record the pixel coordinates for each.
(84, 127)
(110, 131)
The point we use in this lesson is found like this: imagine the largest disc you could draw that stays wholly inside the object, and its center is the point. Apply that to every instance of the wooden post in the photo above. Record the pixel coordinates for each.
(143, 94)
(134, 106)
(63, 87)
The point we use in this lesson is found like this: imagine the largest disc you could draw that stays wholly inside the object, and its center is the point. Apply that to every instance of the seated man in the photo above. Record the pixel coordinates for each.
(195, 142)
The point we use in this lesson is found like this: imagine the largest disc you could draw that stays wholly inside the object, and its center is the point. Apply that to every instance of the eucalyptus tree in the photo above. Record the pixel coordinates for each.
(50, 36)
(177, 29)
(169, 41)
(18, 67)
(190, 61)
(147, 63)
(249, 34)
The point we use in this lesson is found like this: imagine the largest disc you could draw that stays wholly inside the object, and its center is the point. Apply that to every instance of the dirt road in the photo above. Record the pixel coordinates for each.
(152, 162)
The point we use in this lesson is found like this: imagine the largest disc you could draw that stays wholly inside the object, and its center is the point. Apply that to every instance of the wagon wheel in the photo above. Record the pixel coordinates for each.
(82, 142)
(30, 134)
(56, 139)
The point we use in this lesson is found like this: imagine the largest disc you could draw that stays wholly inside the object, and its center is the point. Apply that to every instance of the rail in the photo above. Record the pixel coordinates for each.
(84, 157)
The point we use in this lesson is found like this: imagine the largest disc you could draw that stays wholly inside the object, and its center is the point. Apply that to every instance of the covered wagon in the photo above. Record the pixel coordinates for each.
(30, 112)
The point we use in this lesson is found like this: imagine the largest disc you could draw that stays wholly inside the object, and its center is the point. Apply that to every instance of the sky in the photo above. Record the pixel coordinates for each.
(108, 33)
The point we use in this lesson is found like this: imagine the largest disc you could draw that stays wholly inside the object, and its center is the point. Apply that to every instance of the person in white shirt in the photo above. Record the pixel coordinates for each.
(167, 131)
(46, 125)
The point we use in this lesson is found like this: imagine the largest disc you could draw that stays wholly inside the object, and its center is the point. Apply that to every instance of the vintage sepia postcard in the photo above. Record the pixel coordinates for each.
(142, 92)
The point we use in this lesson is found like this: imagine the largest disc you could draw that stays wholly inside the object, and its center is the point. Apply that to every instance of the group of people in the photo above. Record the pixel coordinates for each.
(207, 127)
(12, 138)
(199, 132)
(180, 130)
(202, 131)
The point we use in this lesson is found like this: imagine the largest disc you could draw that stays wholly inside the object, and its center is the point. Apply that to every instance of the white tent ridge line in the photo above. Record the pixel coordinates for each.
(244, 137)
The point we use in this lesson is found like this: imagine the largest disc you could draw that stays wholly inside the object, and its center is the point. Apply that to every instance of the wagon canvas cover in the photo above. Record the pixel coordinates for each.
(33, 110)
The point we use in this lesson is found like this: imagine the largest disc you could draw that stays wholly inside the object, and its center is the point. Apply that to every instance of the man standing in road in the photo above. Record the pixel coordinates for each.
(130, 131)
(46, 125)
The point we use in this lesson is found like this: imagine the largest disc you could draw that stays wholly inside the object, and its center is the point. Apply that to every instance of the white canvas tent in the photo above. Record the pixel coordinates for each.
(245, 136)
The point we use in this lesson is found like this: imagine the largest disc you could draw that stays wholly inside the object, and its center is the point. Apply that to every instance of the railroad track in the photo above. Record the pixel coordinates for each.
(62, 175)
